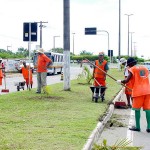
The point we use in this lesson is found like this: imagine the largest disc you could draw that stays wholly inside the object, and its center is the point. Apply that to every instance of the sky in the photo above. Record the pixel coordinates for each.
(102, 14)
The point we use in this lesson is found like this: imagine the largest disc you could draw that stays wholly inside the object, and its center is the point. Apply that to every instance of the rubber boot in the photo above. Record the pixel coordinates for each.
(137, 119)
(103, 94)
(148, 120)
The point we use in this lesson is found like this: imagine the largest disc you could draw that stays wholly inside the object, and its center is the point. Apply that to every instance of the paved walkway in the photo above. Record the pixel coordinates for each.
(125, 117)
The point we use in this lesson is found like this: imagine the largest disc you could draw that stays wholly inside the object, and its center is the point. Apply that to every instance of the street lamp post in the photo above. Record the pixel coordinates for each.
(107, 34)
(41, 26)
(131, 42)
(119, 36)
(108, 39)
(134, 48)
(128, 30)
(73, 42)
(8, 47)
(54, 41)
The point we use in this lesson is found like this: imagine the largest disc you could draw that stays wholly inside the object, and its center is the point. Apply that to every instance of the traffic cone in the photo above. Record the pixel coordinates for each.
(62, 76)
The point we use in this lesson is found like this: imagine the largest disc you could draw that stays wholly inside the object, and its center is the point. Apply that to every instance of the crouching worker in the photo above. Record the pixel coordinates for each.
(139, 77)
(100, 76)
(27, 74)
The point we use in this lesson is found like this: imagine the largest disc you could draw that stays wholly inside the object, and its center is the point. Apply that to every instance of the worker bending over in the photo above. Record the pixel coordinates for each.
(27, 74)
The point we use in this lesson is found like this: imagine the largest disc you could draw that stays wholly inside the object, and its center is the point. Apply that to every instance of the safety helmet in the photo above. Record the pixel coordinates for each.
(123, 60)
(101, 53)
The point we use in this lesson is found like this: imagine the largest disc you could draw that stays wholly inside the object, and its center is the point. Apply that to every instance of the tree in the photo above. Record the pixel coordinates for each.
(23, 52)
(84, 52)
(57, 50)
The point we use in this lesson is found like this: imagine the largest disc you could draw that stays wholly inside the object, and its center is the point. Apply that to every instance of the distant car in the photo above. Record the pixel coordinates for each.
(147, 64)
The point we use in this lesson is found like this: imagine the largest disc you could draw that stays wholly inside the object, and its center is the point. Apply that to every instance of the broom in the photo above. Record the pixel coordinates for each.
(117, 103)
(5, 90)
(107, 74)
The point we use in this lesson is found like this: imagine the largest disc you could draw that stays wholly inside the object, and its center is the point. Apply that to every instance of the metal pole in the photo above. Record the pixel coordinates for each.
(73, 42)
(41, 34)
(54, 41)
(108, 38)
(41, 26)
(107, 34)
(134, 48)
(29, 44)
(128, 30)
(66, 34)
(8, 47)
(119, 40)
(131, 44)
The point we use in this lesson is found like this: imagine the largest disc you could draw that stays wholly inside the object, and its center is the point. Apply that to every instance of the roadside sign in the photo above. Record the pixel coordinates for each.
(33, 32)
(90, 31)
(110, 53)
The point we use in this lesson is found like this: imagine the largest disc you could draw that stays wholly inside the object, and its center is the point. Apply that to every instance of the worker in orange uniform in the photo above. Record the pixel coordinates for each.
(1, 71)
(26, 74)
(139, 77)
(99, 76)
(42, 64)
(128, 87)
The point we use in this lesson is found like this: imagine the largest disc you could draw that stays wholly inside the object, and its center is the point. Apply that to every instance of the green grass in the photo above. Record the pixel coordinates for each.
(62, 120)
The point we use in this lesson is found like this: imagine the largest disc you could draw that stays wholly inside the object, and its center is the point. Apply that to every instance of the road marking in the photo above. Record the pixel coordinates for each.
(131, 123)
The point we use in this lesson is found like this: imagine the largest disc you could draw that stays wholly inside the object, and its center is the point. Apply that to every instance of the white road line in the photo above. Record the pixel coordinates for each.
(131, 123)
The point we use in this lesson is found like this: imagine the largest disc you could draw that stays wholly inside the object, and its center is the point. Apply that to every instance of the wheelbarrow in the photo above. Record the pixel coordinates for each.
(20, 85)
(98, 92)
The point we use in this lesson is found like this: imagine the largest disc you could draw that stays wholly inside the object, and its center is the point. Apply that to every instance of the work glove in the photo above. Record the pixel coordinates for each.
(119, 81)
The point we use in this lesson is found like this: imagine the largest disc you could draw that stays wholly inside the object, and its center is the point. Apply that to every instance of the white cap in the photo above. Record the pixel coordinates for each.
(1, 59)
(123, 60)
(41, 50)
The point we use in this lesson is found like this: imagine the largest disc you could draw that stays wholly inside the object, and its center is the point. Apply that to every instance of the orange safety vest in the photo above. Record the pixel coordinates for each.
(1, 72)
(25, 72)
(97, 72)
(140, 81)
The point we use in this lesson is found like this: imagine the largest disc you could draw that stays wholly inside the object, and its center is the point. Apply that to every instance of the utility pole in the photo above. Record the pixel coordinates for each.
(54, 41)
(131, 44)
(41, 26)
(128, 30)
(8, 47)
(66, 37)
(119, 40)
(73, 42)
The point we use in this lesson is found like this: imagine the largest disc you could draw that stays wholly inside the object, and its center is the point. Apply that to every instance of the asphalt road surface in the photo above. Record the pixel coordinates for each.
(11, 79)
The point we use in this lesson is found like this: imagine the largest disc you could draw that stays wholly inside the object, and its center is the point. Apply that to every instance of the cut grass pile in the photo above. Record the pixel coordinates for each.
(62, 120)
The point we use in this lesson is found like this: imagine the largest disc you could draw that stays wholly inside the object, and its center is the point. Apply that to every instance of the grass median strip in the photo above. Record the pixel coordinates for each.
(62, 120)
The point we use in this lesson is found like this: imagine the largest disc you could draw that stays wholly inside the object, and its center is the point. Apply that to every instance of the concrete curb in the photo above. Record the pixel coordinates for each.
(94, 137)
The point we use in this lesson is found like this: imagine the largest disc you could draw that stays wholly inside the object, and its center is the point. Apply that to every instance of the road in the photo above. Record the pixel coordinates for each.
(52, 79)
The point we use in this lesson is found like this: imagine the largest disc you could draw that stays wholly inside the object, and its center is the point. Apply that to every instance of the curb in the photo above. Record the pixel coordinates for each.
(94, 137)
